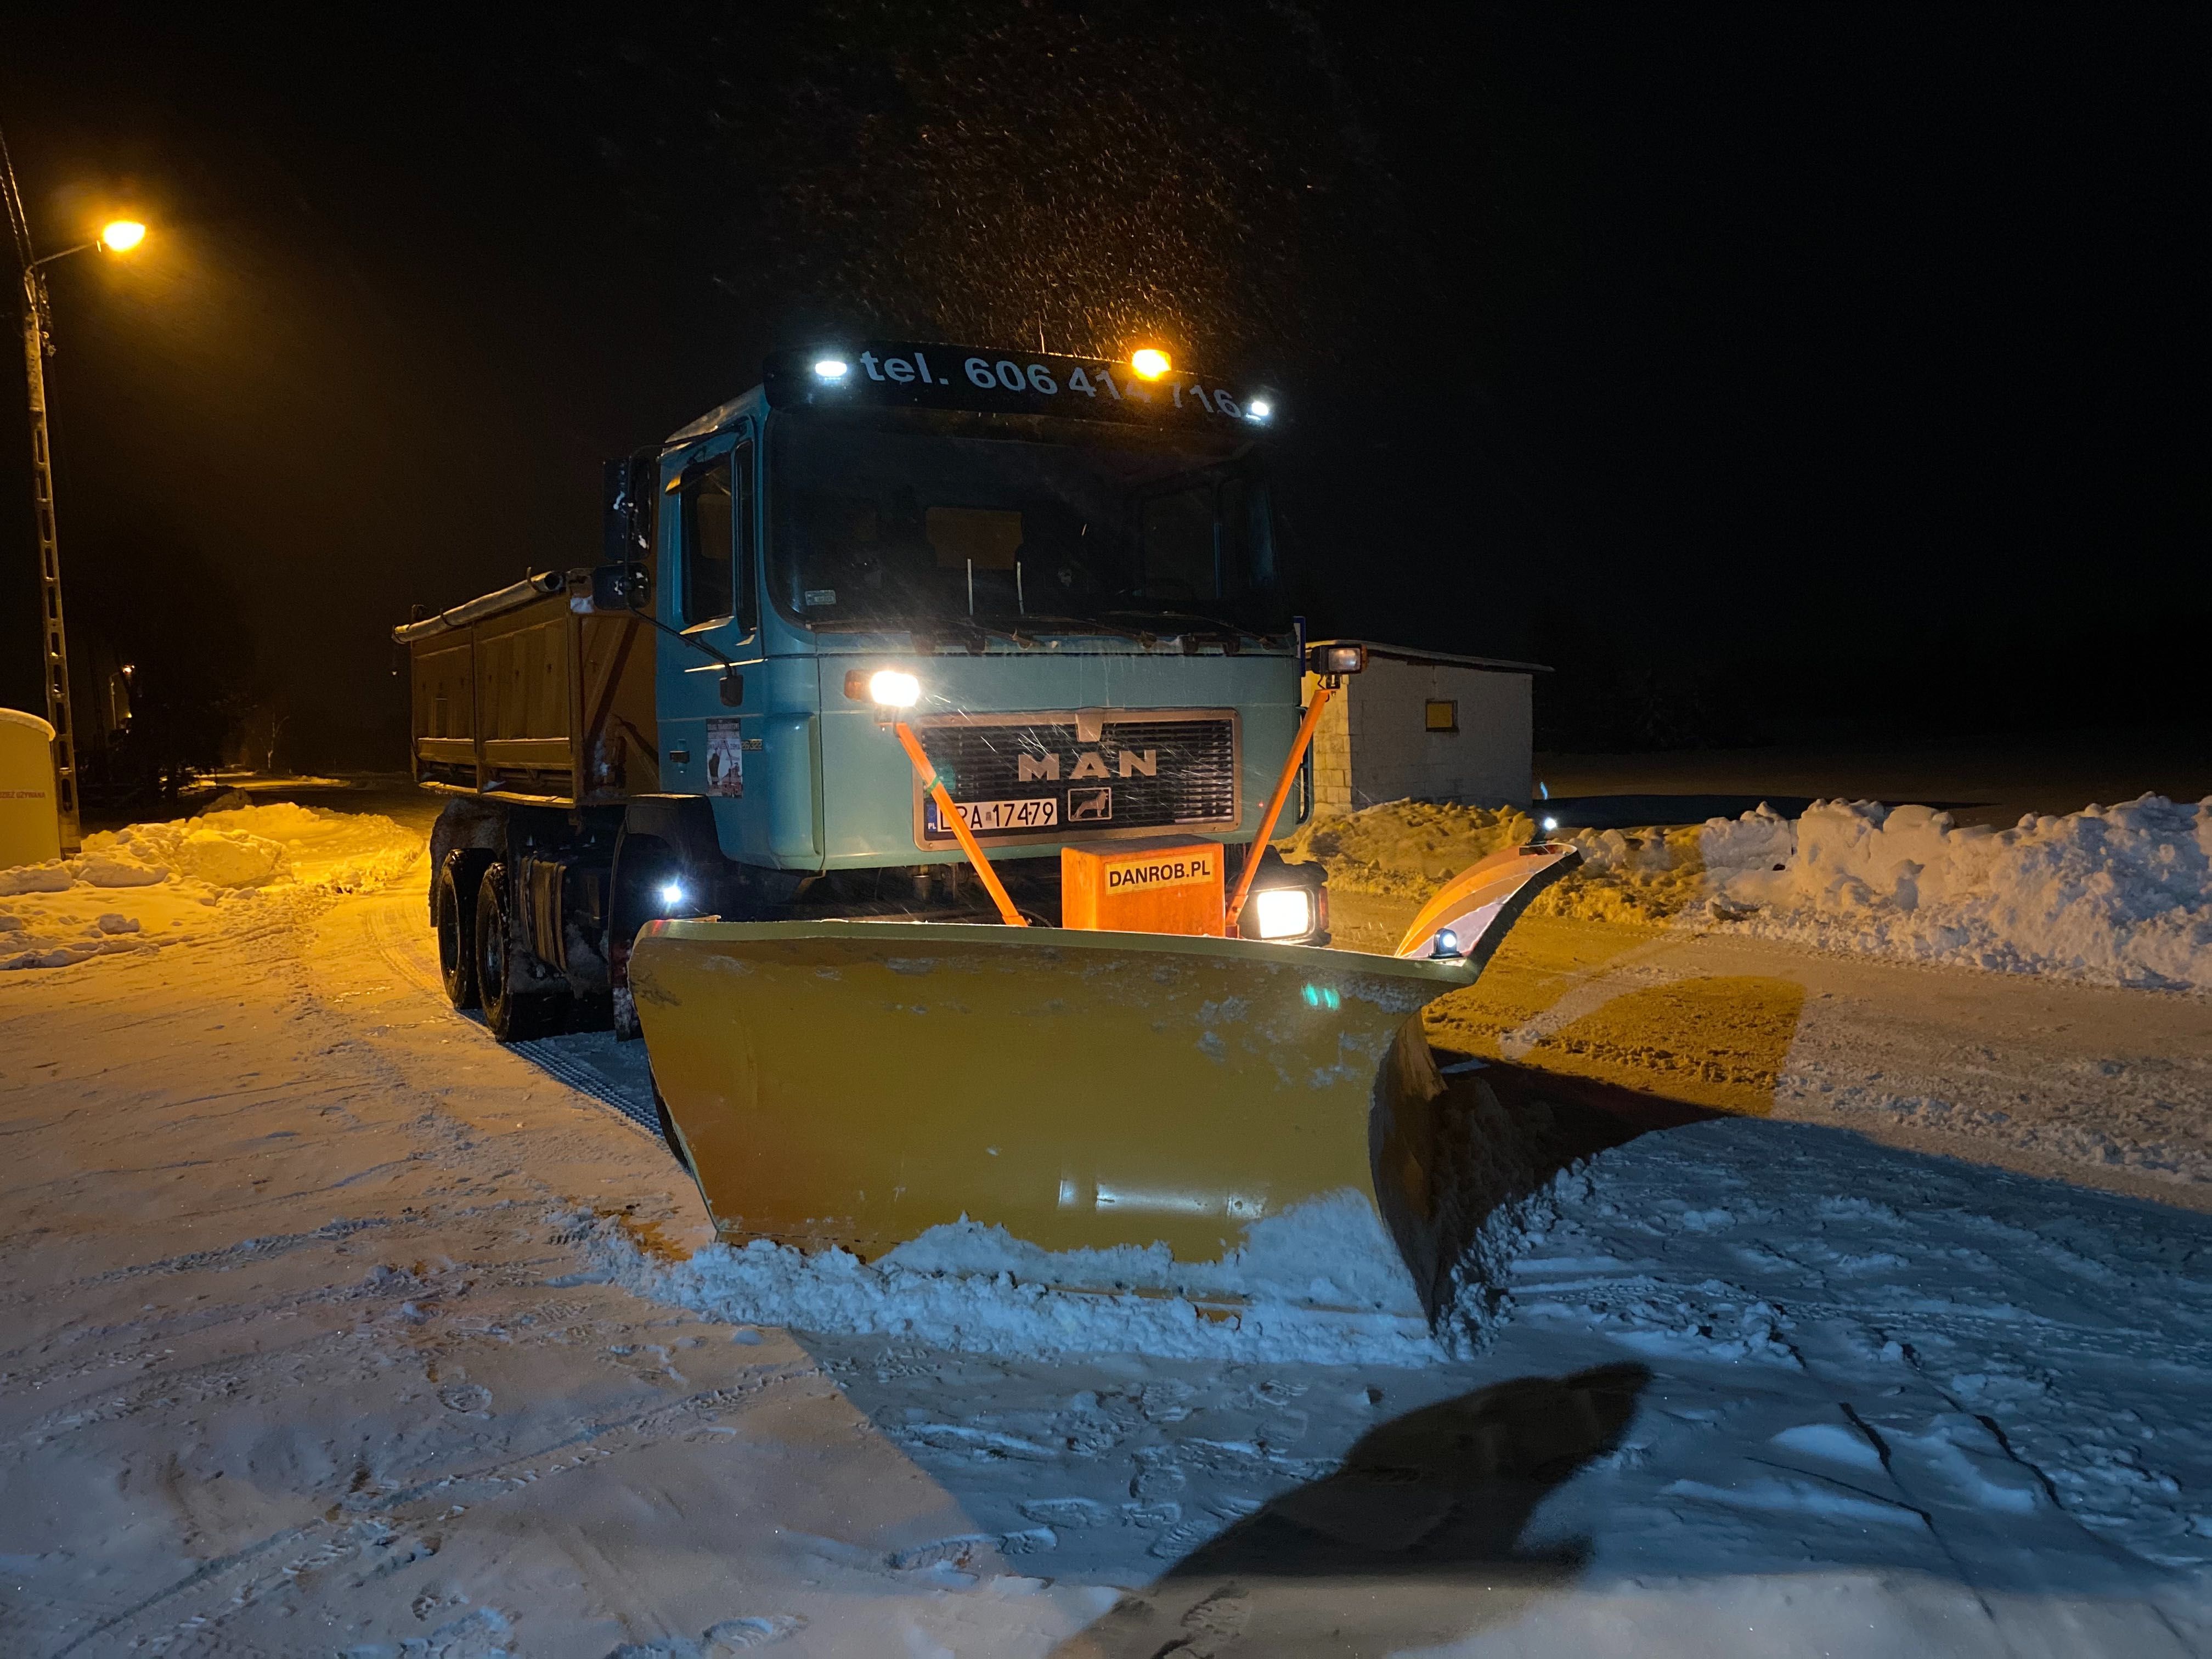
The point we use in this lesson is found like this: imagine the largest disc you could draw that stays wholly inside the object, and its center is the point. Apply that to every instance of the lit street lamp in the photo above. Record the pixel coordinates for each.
(119, 236)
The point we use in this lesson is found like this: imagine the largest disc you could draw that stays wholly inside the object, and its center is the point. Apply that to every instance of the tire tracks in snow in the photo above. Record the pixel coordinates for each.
(378, 1528)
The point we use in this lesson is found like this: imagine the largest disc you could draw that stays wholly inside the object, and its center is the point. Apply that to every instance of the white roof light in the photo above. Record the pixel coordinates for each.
(831, 369)
(1258, 409)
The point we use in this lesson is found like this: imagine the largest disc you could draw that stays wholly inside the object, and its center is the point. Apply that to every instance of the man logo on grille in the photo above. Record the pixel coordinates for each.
(1088, 763)
(1089, 805)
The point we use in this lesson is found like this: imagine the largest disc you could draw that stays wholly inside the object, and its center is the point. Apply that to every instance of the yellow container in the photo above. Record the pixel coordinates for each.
(30, 818)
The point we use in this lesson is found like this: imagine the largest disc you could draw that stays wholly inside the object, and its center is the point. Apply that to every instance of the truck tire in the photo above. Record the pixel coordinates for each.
(513, 1014)
(457, 951)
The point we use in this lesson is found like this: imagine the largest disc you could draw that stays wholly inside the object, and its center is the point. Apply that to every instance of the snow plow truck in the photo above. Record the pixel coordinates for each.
(904, 772)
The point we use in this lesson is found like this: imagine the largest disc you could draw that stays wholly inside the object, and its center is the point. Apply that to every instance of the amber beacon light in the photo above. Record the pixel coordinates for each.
(1150, 363)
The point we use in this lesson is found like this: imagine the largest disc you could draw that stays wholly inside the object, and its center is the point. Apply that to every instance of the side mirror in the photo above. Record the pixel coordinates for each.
(621, 587)
(733, 689)
(1335, 659)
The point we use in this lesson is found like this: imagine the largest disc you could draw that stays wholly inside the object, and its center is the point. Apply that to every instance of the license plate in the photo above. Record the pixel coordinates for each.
(986, 815)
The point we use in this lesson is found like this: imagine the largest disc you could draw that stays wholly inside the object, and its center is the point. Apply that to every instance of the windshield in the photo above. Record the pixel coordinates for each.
(916, 518)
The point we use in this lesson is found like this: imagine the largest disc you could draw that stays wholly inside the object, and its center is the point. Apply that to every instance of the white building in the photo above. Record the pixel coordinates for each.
(1425, 726)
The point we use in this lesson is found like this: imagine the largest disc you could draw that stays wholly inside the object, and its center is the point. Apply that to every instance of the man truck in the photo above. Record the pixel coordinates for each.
(1072, 564)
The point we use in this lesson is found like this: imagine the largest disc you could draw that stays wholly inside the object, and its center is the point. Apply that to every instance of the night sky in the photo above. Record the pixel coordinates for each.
(1767, 372)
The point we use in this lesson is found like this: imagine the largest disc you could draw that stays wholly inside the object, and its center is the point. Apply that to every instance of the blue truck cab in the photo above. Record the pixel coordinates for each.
(1076, 561)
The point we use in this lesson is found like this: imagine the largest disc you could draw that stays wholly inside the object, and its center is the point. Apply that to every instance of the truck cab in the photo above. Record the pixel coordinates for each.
(1075, 560)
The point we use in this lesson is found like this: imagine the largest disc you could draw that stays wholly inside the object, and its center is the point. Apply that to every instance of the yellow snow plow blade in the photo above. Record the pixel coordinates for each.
(857, 1083)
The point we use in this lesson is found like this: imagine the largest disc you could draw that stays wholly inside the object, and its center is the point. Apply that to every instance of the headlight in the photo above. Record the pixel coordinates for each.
(890, 688)
(671, 893)
(1282, 913)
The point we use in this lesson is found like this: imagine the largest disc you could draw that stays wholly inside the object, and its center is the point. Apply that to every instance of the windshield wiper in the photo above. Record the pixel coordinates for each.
(1088, 625)
(1231, 629)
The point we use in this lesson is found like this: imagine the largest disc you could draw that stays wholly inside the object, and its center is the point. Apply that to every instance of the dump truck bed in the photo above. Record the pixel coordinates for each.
(530, 695)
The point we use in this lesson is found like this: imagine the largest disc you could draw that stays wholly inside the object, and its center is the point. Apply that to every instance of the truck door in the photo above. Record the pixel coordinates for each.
(710, 591)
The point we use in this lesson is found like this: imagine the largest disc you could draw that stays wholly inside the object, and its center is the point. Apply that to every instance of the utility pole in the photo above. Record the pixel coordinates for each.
(117, 236)
(38, 345)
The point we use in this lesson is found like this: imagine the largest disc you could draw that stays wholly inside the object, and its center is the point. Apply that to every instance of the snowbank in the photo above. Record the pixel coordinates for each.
(2119, 894)
(153, 884)
(1321, 1283)
(2114, 895)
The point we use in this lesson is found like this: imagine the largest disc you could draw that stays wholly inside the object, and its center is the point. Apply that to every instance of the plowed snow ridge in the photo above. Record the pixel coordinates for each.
(2111, 895)
(183, 882)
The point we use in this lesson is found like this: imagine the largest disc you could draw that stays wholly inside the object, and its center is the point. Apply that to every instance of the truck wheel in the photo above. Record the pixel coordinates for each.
(514, 1016)
(457, 955)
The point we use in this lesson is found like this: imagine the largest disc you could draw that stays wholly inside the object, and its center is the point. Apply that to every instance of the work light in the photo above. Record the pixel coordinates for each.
(1282, 913)
(888, 688)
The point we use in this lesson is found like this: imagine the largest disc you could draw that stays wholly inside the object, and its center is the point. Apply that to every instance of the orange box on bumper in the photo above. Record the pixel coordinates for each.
(1162, 885)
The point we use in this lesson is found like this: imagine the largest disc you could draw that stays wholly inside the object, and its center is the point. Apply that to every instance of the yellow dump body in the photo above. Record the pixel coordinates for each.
(857, 1083)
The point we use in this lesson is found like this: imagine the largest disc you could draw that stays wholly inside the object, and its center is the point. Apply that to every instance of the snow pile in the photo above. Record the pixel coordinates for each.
(1407, 849)
(2119, 894)
(1321, 1283)
(2115, 895)
(153, 884)
(248, 846)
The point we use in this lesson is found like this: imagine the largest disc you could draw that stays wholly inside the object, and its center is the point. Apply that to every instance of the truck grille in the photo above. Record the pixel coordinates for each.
(1149, 771)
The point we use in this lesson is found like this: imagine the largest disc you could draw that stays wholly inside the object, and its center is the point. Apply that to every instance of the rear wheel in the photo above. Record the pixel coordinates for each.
(457, 957)
(513, 1015)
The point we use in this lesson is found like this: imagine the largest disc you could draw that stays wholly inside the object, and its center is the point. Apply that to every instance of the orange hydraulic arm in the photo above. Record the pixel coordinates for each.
(1275, 803)
(1007, 914)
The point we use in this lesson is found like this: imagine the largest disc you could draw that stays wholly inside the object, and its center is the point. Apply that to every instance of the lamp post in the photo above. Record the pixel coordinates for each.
(119, 237)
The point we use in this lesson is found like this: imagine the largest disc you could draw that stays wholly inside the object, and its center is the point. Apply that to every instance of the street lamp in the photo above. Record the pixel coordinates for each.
(118, 236)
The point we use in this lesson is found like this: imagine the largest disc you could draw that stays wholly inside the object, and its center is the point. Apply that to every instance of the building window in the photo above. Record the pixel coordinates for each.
(1441, 716)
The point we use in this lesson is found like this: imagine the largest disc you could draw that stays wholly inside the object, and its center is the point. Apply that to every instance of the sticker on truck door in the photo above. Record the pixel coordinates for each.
(726, 758)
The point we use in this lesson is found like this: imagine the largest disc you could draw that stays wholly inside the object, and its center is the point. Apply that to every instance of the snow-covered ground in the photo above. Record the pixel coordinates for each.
(333, 1328)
